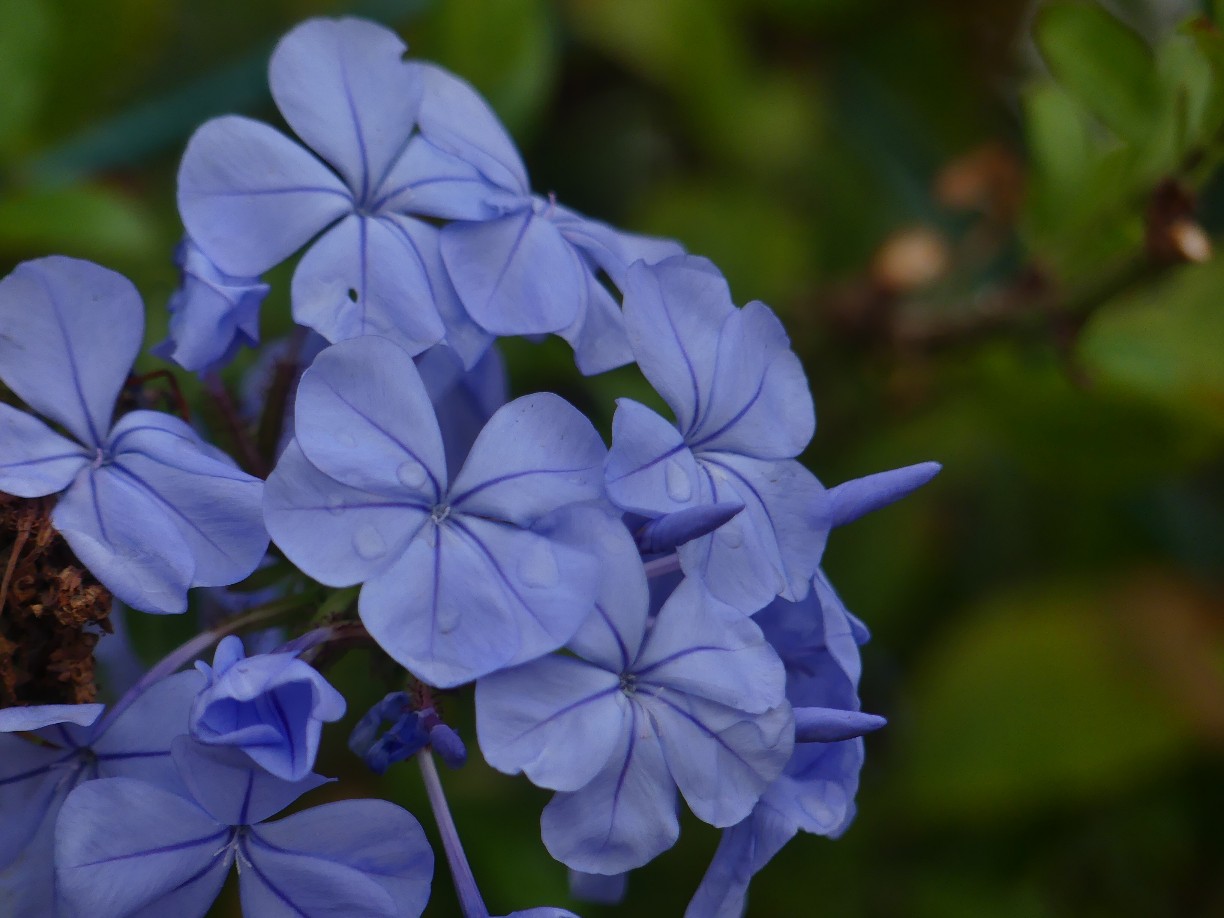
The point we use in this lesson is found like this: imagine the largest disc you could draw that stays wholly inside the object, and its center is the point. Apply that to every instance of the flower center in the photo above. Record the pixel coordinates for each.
(440, 513)
(628, 683)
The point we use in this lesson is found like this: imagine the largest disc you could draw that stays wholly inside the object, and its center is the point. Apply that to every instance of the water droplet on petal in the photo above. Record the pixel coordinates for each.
(368, 542)
(538, 568)
(732, 534)
(448, 618)
(411, 475)
(335, 505)
(679, 485)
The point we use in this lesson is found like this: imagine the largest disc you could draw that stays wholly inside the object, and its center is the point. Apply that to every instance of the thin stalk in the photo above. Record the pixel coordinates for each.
(465, 883)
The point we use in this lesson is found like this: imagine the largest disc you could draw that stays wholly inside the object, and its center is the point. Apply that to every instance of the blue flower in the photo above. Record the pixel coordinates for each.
(695, 701)
(211, 313)
(272, 706)
(743, 411)
(73, 744)
(463, 576)
(409, 733)
(250, 197)
(128, 847)
(144, 503)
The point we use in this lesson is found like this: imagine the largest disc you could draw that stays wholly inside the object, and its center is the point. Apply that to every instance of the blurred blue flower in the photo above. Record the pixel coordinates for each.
(145, 504)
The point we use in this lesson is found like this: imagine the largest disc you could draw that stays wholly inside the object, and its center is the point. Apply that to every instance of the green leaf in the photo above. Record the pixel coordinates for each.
(1164, 341)
(24, 40)
(1103, 64)
(1034, 701)
(89, 221)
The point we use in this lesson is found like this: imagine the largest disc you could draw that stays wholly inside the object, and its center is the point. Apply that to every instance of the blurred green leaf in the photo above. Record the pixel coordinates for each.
(88, 221)
(1164, 341)
(25, 35)
(1033, 701)
(1102, 63)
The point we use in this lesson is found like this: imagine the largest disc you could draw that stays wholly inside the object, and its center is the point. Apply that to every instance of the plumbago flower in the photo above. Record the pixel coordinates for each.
(398, 141)
(461, 577)
(147, 506)
(694, 700)
(130, 847)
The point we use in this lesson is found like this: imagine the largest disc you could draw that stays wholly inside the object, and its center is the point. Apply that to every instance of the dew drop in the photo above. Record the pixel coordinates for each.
(368, 542)
(538, 568)
(732, 534)
(679, 485)
(448, 618)
(411, 474)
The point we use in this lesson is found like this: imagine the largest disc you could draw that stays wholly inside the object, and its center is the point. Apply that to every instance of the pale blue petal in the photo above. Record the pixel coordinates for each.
(69, 331)
(558, 719)
(832, 725)
(598, 333)
(707, 649)
(27, 884)
(463, 401)
(37, 716)
(673, 313)
(364, 418)
(29, 786)
(123, 535)
(611, 249)
(625, 817)
(223, 781)
(428, 182)
(612, 635)
(122, 844)
(816, 792)
(250, 197)
(471, 596)
(536, 454)
(135, 741)
(721, 758)
(854, 499)
(34, 460)
(380, 840)
(515, 275)
(742, 852)
(284, 885)
(216, 507)
(345, 89)
(649, 469)
(338, 535)
(760, 404)
(195, 896)
(455, 119)
(365, 278)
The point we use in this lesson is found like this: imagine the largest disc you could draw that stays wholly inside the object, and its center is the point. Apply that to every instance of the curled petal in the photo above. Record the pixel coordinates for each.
(37, 716)
(667, 532)
(69, 331)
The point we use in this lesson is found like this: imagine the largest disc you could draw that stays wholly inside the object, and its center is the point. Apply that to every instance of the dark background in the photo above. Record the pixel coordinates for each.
(976, 240)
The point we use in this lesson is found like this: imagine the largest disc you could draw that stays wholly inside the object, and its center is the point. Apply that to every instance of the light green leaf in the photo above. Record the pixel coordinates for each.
(1103, 64)
(89, 221)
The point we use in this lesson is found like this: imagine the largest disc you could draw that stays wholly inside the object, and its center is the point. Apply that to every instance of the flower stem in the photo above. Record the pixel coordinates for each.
(465, 883)
(668, 564)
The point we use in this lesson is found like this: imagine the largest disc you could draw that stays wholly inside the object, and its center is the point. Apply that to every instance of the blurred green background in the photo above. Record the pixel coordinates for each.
(987, 224)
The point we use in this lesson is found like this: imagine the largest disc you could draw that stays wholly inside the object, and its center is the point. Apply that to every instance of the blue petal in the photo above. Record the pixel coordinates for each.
(816, 792)
(464, 402)
(704, 648)
(598, 333)
(612, 635)
(136, 742)
(378, 839)
(455, 119)
(649, 469)
(536, 454)
(742, 851)
(366, 277)
(211, 313)
(69, 331)
(832, 725)
(37, 716)
(774, 545)
(759, 404)
(721, 758)
(27, 884)
(428, 182)
(223, 782)
(250, 197)
(598, 888)
(611, 249)
(216, 507)
(35, 460)
(515, 275)
(363, 417)
(667, 532)
(673, 313)
(124, 536)
(558, 719)
(470, 596)
(123, 844)
(853, 499)
(283, 885)
(625, 817)
(30, 783)
(336, 534)
(344, 88)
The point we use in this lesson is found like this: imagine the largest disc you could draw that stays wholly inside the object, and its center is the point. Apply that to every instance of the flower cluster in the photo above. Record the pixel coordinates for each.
(640, 619)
